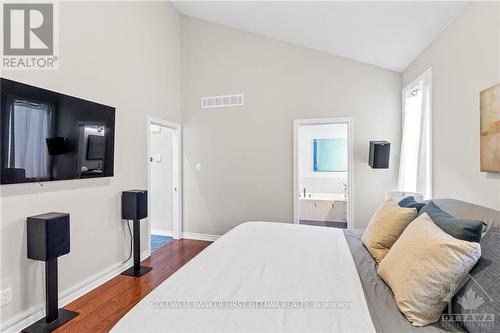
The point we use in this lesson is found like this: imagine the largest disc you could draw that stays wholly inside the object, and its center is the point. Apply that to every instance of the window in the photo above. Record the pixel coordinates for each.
(330, 155)
(415, 170)
(29, 126)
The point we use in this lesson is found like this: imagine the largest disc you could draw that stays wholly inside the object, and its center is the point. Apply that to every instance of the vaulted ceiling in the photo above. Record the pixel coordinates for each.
(386, 34)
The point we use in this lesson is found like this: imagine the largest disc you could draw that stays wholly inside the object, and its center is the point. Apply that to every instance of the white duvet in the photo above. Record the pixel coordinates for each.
(260, 277)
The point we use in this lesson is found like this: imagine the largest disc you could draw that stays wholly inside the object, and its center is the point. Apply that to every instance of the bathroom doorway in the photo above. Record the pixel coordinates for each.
(323, 172)
(163, 182)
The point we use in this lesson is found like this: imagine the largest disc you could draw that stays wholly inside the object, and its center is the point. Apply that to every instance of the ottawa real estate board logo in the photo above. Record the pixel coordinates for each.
(30, 35)
(476, 305)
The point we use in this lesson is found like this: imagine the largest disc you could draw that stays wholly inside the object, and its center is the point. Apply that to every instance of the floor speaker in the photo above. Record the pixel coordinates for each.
(135, 208)
(48, 239)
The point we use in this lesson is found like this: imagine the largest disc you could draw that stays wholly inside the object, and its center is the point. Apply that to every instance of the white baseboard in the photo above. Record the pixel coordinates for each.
(161, 232)
(28, 317)
(205, 237)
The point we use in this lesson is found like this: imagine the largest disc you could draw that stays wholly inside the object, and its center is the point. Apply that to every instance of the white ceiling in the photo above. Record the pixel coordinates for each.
(385, 34)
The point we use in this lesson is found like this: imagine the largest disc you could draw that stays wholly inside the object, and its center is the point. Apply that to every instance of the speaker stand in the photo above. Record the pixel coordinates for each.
(137, 270)
(54, 317)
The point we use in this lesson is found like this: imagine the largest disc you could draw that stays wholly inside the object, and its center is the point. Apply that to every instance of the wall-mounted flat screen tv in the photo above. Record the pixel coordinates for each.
(49, 136)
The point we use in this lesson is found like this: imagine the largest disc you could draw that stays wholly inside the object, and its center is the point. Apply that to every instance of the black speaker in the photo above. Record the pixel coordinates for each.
(135, 207)
(134, 204)
(379, 154)
(48, 236)
(48, 239)
(57, 145)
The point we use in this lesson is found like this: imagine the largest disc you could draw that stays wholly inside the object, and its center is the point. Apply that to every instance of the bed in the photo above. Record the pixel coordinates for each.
(277, 277)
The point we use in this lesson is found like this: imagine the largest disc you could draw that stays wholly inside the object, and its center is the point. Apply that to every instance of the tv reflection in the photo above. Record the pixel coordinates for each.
(45, 135)
(91, 150)
(40, 150)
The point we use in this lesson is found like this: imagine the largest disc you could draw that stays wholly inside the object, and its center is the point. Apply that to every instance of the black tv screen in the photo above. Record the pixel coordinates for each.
(50, 136)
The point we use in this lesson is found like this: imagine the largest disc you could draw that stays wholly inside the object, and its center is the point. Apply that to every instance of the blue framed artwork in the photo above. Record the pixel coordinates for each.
(330, 155)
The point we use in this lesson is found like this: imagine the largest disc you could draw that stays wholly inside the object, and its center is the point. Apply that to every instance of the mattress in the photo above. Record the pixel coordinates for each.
(275, 277)
(260, 277)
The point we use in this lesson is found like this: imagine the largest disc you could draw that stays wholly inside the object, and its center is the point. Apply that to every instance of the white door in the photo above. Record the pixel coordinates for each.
(164, 147)
(161, 179)
(323, 179)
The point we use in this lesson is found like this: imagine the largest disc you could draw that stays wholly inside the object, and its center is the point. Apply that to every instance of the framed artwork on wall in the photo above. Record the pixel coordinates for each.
(490, 129)
(330, 155)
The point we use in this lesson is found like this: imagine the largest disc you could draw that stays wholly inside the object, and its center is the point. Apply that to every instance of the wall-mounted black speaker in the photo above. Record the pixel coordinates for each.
(57, 145)
(134, 204)
(48, 236)
(379, 154)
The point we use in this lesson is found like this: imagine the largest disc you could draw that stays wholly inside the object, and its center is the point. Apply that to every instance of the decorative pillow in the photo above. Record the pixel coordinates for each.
(470, 211)
(385, 226)
(425, 267)
(410, 202)
(464, 229)
(480, 295)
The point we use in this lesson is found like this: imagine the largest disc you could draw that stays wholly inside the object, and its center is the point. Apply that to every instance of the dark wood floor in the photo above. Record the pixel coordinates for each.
(101, 308)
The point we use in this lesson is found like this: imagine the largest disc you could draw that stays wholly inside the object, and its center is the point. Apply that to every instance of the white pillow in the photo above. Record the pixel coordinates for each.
(425, 267)
(386, 225)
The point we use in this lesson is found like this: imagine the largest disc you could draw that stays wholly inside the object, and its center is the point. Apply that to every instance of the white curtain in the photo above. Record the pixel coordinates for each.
(415, 168)
(29, 126)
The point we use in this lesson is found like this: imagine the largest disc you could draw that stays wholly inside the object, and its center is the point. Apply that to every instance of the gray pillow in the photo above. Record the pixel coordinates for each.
(479, 299)
(470, 211)
(460, 228)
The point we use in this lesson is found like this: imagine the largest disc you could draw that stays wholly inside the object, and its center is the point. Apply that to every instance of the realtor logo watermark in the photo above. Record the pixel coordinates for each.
(30, 35)
(473, 314)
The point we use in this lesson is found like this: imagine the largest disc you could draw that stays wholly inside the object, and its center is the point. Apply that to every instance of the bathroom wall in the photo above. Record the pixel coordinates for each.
(319, 182)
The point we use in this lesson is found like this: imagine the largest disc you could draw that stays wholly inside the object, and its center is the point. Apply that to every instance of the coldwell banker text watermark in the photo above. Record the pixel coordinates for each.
(30, 35)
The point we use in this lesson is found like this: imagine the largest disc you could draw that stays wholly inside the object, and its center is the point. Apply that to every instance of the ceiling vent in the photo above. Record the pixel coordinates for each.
(221, 101)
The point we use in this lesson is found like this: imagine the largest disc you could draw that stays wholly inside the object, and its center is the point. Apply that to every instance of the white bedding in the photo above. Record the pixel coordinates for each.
(260, 262)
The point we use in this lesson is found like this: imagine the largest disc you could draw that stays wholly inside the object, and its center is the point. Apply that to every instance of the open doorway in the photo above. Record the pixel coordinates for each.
(323, 172)
(163, 182)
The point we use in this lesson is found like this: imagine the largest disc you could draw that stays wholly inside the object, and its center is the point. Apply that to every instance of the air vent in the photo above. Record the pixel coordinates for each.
(221, 101)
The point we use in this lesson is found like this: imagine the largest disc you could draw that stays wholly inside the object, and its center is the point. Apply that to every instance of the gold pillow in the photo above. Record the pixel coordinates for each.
(386, 225)
(425, 267)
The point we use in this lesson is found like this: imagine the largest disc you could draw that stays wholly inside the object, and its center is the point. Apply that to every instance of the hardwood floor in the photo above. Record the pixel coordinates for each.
(101, 308)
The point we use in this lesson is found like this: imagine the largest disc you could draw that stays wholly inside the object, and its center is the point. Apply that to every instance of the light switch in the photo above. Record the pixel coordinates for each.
(158, 158)
(198, 166)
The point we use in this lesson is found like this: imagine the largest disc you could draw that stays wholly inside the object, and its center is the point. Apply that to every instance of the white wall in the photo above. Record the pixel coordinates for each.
(245, 153)
(319, 182)
(134, 65)
(160, 208)
(465, 60)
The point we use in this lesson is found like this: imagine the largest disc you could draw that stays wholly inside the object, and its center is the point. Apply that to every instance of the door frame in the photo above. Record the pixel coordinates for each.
(176, 174)
(350, 186)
